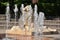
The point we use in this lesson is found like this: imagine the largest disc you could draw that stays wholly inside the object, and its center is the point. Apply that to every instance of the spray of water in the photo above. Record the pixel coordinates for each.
(7, 20)
(38, 23)
(35, 20)
(15, 11)
(41, 24)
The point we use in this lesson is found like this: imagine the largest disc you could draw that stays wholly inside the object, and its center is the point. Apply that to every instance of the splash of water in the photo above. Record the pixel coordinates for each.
(7, 20)
(41, 21)
(21, 19)
(22, 6)
(35, 19)
(15, 11)
(7, 15)
(38, 23)
(41, 24)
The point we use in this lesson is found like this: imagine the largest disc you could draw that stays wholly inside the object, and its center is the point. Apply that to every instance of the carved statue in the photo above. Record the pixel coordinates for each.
(26, 17)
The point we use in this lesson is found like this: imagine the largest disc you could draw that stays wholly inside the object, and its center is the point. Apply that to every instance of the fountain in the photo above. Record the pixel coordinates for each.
(27, 25)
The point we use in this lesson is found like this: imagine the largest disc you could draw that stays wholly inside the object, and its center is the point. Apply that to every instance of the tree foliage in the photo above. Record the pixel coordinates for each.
(50, 7)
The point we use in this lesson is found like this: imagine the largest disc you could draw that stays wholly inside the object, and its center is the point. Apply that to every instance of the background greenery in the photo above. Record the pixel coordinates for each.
(51, 8)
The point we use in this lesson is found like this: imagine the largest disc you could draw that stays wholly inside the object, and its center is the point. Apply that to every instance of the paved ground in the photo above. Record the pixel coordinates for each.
(56, 36)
